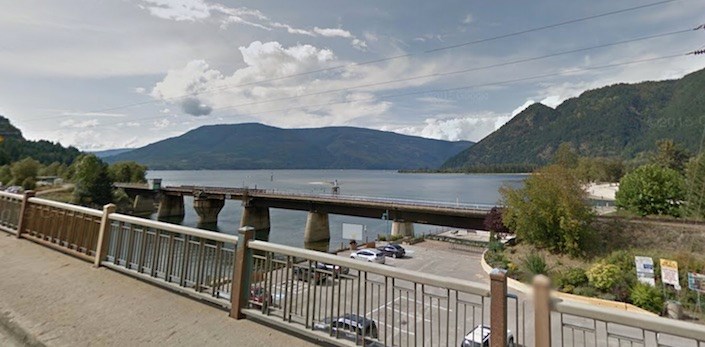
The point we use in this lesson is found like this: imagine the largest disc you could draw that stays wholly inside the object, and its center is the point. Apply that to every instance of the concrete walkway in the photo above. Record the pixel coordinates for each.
(59, 300)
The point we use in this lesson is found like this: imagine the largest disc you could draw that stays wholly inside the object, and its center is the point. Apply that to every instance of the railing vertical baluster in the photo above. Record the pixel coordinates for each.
(184, 262)
(130, 244)
(103, 234)
(155, 253)
(201, 265)
(143, 250)
(119, 237)
(216, 281)
(268, 282)
(241, 273)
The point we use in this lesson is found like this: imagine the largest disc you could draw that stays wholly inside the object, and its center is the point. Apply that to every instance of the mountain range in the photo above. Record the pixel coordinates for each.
(258, 146)
(622, 120)
(14, 147)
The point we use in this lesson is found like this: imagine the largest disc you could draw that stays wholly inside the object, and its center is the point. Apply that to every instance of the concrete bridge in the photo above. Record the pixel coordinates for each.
(209, 201)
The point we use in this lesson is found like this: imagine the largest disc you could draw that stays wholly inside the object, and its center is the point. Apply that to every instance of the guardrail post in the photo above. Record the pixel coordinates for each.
(240, 292)
(542, 311)
(103, 234)
(24, 212)
(498, 308)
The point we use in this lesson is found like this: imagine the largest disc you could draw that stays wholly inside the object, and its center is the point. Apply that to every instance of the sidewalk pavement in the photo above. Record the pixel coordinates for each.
(58, 300)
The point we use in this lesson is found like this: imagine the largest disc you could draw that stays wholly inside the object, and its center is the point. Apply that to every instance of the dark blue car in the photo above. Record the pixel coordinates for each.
(392, 250)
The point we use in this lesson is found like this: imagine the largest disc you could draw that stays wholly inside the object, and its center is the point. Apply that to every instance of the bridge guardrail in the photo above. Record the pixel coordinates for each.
(196, 262)
(10, 205)
(306, 289)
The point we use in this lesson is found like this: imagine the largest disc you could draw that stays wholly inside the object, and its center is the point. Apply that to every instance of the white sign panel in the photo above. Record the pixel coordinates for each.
(669, 273)
(352, 231)
(645, 270)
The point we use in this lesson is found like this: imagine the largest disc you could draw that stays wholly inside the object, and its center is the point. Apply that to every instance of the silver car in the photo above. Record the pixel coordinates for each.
(370, 255)
(480, 337)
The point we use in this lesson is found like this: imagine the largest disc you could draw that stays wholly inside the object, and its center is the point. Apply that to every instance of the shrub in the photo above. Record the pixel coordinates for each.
(569, 279)
(604, 276)
(585, 291)
(535, 264)
(29, 183)
(647, 297)
(381, 237)
(395, 237)
(652, 189)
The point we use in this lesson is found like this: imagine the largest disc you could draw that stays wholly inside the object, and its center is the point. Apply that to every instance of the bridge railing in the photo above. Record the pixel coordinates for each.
(65, 227)
(196, 262)
(562, 322)
(392, 307)
(10, 205)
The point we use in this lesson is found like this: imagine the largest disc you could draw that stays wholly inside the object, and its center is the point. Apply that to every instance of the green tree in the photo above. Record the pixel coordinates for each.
(5, 175)
(695, 175)
(93, 185)
(651, 189)
(24, 169)
(128, 171)
(671, 155)
(550, 210)
(565, 156)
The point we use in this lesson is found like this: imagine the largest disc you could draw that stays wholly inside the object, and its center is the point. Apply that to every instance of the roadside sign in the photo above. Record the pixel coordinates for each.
(352, 231)
(669, 273)
(696, 282)
(645, 270)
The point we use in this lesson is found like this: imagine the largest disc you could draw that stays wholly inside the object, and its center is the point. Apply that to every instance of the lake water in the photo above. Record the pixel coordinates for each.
(287, 227)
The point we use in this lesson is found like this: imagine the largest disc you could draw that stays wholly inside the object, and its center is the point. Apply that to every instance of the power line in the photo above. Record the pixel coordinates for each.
(375, 61)
(450, 73)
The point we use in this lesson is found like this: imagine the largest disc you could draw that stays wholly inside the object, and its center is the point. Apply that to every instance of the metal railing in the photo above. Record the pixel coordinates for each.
(382, 305)
(589, 325)
(69, 228)
(10, 205)
(193, 261)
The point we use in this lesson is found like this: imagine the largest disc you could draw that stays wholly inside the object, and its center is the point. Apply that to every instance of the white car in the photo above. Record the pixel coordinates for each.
(480, 337)
(369, 254)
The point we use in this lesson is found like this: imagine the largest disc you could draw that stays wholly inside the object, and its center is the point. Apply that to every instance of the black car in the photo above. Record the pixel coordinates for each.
(392, 250)
(301, 273)
(348, 326)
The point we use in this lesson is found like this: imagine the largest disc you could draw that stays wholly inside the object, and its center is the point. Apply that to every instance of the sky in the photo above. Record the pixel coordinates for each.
(102, 74)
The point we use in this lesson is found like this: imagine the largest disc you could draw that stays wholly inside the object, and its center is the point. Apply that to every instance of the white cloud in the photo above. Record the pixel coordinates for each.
(523, 107)
(161, 123)
(468, 19)
(178, 10)
(91, 114)
(471, 127)
(331, 32)
(70, 123)
(140, 90)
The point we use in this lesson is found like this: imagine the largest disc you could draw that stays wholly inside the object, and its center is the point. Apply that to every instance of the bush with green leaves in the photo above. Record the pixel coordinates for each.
(651, 190)
(647, 297)
(604, 276)
(550, 211)
(570, 279)
(535, 264)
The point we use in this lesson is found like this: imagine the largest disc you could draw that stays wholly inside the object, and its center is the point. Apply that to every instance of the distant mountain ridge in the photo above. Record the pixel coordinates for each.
(619, 120)
(110, 152)
(258, 146)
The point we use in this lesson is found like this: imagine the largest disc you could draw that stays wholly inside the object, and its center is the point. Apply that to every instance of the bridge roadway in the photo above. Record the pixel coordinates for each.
(466, 216)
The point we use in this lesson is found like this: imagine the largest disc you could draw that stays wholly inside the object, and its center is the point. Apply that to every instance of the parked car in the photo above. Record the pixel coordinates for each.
(393, 250)
(369, 254)
(301, 273)
(480, 337)
(337, 270)
(260, 297)
(349, 326)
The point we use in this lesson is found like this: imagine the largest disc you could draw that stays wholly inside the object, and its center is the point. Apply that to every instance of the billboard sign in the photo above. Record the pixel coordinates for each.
(669, 273)
(696, 282)
(352, 231)
(645, 270)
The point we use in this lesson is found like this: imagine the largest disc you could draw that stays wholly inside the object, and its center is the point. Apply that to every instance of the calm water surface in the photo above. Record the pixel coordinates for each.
(288, 226)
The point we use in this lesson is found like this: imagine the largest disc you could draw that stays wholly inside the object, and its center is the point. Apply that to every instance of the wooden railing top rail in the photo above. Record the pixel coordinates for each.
(10, 195)
(61, 205)
(210, 235)
(464, 286)
(645, 322)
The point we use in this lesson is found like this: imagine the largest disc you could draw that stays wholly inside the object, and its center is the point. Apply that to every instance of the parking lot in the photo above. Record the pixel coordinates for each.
(405, 313)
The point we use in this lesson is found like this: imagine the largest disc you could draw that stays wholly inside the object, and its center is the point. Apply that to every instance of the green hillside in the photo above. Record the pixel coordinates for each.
(257, 146)
(15, 147)
(619, 120)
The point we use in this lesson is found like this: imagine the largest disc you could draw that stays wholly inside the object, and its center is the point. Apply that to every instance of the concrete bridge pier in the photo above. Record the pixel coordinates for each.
(207, 209)
(402, 228)
(317, 227)
(171, 206)
(258, 218)
(143, 204)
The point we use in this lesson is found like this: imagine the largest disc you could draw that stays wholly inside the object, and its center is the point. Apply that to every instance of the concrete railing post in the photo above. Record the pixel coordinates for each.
(240, 293)
(24, 212)
(103, 234)
(542, 311)
(498, 308)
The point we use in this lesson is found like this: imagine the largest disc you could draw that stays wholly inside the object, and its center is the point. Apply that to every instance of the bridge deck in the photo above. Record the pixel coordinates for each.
(105, 308)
